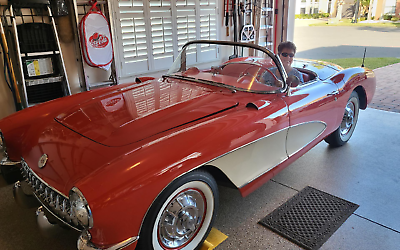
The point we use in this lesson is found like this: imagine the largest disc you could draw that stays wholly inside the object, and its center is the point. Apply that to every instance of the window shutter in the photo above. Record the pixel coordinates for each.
(208, 29)
(161, 34)
(150, 33)
(132, 42)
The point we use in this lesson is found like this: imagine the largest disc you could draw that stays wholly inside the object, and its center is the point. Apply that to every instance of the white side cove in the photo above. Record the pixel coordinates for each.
(302, 134)
(249, 162)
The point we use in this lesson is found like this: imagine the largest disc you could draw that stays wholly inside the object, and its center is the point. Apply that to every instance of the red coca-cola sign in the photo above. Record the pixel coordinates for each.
(98, 40)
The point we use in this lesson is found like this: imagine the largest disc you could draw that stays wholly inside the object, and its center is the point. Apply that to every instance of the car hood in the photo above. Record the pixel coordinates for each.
(133, 114)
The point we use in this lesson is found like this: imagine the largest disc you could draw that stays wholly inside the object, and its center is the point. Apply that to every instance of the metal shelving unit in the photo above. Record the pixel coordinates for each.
(266, 24)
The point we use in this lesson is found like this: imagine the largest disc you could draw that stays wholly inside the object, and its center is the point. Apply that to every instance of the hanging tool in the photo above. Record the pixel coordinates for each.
(227, 17)
(235, 33)
(234, 18)
(247, 34)
(10, 68)
(240, 12)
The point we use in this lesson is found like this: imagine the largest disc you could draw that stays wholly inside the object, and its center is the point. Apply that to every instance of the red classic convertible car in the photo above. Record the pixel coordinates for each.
(137, 165)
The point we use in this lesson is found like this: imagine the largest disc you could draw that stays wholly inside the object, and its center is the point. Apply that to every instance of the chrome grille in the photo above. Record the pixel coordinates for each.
(55, 202)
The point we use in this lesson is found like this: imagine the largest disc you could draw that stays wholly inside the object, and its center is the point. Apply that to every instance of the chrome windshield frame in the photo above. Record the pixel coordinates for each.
(275, 58)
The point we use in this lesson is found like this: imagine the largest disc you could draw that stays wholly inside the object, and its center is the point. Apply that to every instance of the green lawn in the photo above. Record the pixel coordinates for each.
(348, 23)
(371, 63)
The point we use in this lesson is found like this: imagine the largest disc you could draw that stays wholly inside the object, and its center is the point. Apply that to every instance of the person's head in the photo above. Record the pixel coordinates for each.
(286, 52)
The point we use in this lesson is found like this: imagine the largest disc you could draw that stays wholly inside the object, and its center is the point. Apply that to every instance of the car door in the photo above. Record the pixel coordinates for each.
(257, 139)
(313, 113)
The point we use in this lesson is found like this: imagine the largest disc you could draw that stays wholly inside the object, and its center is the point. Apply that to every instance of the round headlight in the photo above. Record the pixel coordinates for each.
(3, 148)
(80, 208)
(2, 144)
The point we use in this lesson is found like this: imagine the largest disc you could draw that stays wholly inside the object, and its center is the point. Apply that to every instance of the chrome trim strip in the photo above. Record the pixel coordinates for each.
(312, 139)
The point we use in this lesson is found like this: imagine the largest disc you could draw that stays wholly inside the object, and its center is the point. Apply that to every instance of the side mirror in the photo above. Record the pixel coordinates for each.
(293, 81)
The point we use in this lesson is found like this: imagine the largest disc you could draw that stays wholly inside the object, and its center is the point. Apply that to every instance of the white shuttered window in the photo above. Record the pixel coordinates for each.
(150, 34)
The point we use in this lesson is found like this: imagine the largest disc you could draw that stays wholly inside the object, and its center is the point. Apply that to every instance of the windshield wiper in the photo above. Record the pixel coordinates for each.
(180, 77)
(218, 84)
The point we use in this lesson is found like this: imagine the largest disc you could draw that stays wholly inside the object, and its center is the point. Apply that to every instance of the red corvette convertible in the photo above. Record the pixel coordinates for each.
(137, 165)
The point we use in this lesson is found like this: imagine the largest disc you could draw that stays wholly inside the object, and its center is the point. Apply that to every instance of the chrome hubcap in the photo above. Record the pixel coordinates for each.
(181, 219)
(348, 119)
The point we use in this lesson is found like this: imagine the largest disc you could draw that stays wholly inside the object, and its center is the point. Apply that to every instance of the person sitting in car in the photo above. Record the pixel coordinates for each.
(286, 52)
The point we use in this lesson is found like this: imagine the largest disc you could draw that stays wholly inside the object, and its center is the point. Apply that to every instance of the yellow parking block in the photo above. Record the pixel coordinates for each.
(215, 238)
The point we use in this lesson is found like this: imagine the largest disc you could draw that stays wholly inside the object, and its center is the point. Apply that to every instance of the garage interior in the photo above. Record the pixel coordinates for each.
(363, 172)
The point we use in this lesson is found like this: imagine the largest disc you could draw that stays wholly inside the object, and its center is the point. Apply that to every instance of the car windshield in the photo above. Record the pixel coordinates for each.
(237, 66)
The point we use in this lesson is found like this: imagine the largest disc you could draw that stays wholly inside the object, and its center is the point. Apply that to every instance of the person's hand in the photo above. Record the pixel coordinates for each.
(278, 83)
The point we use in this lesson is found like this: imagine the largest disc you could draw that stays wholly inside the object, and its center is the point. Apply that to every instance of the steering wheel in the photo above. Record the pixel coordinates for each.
(192, 70)
(246, 72)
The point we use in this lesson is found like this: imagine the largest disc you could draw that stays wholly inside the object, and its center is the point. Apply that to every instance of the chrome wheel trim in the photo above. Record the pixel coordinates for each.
(181, 218)
(178, 233)
(349, 120)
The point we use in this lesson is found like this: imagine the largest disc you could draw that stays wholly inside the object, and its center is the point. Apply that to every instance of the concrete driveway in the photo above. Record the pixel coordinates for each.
(327, 42)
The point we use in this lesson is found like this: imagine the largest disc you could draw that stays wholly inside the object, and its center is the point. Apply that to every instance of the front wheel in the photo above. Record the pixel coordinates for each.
(182, 216)
(346, 128)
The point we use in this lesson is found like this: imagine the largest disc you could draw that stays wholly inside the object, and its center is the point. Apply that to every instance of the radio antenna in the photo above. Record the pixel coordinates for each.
(362, 65)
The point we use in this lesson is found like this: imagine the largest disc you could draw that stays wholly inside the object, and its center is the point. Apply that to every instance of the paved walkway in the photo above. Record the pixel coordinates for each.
(387, 94)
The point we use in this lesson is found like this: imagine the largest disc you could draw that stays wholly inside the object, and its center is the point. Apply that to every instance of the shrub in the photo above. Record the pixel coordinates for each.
(395, 19)
(362, 18)
(315, 16)
(387, 17)
(305, 16)
(309, 16)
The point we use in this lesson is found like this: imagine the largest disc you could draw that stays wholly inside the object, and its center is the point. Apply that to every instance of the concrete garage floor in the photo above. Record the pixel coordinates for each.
(365, 172)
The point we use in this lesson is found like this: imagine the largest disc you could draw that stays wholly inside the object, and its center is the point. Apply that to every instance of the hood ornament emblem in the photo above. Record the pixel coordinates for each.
(42, 161)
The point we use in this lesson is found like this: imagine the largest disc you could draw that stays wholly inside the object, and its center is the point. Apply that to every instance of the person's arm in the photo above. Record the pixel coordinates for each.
(298, 74)
(269, 79)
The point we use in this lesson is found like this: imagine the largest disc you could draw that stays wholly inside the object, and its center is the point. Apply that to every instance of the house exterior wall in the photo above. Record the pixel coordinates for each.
(398, 8)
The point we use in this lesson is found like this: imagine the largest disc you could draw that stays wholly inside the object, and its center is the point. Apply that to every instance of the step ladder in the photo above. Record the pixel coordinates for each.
(38, 51)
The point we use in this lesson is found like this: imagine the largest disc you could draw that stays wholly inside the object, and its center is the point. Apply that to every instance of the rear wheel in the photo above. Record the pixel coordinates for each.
(346, 128)
(182, 216)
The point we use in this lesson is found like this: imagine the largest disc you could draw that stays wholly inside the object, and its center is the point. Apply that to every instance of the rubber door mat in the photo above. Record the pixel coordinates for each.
(309, 218)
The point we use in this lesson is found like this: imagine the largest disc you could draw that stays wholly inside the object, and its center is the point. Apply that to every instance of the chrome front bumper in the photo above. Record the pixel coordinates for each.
(49, 223)
(85, 244)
